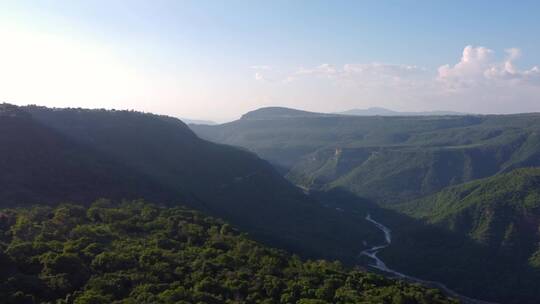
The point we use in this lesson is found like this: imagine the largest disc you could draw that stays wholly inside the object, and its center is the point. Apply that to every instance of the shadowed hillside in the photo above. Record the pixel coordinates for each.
(78, 155)
(39, 165)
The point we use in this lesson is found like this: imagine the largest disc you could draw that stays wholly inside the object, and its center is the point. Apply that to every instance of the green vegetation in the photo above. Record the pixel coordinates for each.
(479, 238)
(482, 237)
(57, 155)
(386, 159)
(140, 253)
(38, 164)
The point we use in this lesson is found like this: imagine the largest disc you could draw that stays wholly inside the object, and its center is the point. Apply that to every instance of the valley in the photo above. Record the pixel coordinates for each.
(457, 194)
(269, 152)
(381, 266)
(395, 168)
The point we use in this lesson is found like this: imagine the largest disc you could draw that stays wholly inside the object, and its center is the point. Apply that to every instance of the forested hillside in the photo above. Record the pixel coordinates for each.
(74, 155)
(482, 237)
(479, 238)
(387, 159)
(140, 253)
(39, 165)
(501, 212)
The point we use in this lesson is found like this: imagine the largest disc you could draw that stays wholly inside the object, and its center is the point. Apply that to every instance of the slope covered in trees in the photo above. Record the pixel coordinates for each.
(50, 156)
(387, 159)
(482, 237)
(74, 155)
(140, 253)
(481, 243)
(39, 165)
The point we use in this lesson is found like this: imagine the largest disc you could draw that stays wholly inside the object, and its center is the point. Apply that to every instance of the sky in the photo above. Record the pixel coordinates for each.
(216, 60)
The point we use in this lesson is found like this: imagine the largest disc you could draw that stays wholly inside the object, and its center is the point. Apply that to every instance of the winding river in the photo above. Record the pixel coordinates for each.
(380, 265)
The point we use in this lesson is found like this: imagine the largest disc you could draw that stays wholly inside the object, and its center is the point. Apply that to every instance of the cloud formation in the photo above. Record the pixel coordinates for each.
(478, 78)
(370, 71)
(478, 67)
(364, 75)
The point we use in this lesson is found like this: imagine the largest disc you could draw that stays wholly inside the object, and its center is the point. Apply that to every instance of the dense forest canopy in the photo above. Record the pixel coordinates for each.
(135, 252)
(500, 215)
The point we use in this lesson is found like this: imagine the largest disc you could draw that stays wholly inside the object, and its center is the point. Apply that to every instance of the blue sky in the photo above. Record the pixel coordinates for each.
(218, 59)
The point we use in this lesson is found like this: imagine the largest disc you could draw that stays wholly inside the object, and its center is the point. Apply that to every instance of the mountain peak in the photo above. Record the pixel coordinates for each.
(278, 113)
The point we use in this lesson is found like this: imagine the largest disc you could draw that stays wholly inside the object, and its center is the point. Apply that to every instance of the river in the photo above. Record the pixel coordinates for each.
(380, 265)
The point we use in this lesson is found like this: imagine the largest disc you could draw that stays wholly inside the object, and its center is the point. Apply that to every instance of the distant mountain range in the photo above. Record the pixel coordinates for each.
(378, 111)
(284, 113)
(388, 159)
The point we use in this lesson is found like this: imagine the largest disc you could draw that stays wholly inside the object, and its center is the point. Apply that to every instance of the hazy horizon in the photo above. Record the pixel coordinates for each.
(210, 60)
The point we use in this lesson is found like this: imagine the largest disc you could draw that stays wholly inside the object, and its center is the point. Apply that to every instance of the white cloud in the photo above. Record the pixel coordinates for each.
(508, 71)
(381, 74)
(469, 70)
(324, 70)
(478, 67)
(363, 75)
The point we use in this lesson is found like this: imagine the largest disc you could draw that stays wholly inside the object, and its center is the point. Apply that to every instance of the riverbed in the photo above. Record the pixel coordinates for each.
(381, 266)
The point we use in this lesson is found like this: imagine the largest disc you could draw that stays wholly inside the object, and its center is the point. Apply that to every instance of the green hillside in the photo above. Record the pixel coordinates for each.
(487, 250)
(386, 159)
(50, 156)
(140, 253)
(502, 212)
(481, 237)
